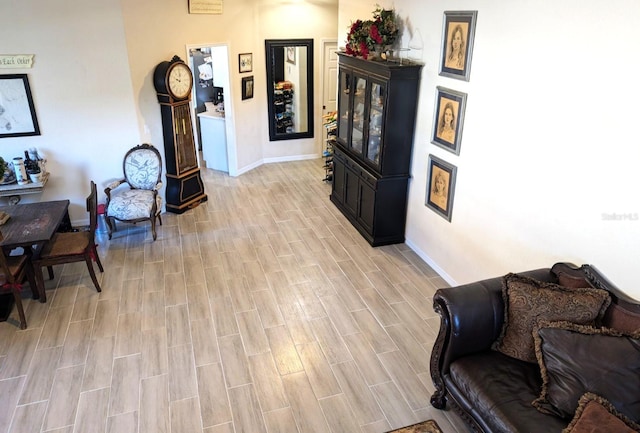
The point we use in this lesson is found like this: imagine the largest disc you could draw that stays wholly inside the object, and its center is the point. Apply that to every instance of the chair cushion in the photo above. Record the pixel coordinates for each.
(66, 244)
(131, 204)
(528, 301)
(142, 169)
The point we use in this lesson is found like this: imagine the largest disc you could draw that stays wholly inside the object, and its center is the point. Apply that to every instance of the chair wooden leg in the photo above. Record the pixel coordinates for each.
(159, 219)
(110, 225)
(92, 272)
(50, 271)
(95, 254)
(153, 228)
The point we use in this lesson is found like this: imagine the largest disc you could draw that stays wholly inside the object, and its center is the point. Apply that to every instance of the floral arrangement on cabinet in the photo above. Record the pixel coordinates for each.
(380, 33)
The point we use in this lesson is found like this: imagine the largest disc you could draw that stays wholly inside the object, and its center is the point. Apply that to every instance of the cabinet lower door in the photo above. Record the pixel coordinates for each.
(337, 187)
(351, 191)
(366, 211)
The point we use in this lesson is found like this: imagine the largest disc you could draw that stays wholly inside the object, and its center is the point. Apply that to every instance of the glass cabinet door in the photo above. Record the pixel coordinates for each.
(376, 109)
(357, 127)
(343, 107)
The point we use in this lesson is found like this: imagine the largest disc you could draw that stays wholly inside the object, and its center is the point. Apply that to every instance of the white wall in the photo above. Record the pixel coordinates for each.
(92, 78)
(81, 89)
(296, 20)
(549, 146)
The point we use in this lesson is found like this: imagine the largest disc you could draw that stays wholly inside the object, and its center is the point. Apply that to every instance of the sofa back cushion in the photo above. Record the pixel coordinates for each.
(574, 359)
(528, 301)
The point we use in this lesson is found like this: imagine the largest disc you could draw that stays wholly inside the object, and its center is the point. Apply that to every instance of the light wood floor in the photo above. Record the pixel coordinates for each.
(262, 310)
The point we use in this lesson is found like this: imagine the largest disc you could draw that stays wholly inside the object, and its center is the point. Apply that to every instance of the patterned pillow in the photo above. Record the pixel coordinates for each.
(596, 415)
(527, 301)
(574, 359)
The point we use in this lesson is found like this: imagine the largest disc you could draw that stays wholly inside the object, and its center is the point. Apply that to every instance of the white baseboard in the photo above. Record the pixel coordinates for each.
(290, 158)
(273, 160)
(428, 260)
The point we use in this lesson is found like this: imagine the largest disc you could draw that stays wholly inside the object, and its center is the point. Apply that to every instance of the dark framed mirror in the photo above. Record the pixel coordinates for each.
(290, 88)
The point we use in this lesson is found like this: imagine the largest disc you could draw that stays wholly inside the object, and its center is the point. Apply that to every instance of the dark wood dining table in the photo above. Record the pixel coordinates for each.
(31, 225)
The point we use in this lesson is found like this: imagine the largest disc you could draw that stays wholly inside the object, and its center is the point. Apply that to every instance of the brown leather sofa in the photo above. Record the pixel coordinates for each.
(491, 391)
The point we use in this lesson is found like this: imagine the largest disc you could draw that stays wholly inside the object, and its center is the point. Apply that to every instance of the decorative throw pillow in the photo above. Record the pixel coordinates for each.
(575, 359)
(596, 415)
(527, 301)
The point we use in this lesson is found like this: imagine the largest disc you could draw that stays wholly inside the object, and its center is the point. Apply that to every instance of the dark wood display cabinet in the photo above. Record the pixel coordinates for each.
(377, 103)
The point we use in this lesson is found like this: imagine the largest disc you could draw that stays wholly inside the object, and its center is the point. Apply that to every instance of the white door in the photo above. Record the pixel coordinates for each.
(330, 76)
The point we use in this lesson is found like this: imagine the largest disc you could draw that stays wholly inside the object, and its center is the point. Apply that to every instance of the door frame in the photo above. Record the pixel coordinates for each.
(320, 132)
(232, 154)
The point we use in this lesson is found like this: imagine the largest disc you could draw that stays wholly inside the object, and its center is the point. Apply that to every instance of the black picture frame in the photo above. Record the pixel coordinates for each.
(448, 119)
(245, 62)
(290, 55)
(247, 87)
(17, 112)
(458, 34)
(441, 185)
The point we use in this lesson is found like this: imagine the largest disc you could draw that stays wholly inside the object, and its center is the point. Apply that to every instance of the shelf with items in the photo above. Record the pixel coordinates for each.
(283, 107)
(330, 123)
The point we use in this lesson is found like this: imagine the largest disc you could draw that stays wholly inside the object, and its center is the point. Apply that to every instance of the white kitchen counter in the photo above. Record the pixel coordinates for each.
(214, 140)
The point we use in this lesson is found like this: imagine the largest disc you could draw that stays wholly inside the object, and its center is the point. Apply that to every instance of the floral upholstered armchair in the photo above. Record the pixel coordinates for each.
(140, 202)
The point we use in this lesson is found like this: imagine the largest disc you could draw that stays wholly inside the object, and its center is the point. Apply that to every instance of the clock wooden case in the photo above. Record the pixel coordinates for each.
(173, 82)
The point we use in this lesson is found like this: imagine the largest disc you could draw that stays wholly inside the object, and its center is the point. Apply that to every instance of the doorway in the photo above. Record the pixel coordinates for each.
(211, 106)
(329, 71)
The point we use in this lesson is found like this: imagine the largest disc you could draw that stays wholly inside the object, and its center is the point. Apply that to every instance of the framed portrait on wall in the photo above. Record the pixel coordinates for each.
(458, 32)
(17, 112)
(448, 119)
(441, 184)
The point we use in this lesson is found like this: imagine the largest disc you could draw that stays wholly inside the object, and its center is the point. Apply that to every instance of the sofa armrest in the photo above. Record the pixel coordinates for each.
(471, 318)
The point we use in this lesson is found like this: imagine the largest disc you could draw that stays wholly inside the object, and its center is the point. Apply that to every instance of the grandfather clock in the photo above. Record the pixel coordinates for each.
(173, 82)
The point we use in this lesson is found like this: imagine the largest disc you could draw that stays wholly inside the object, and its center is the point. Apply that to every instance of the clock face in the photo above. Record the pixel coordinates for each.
(180, 81)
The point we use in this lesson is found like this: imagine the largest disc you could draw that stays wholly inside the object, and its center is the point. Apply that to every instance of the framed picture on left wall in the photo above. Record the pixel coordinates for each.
(17, 112)
(245, 62)
(247, 87)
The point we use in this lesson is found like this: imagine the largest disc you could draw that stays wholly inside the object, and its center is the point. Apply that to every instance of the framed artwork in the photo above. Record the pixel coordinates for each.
(17, 113)
(290, 55)
(458, 31)
(205, 7)
(247, 87)
(245, 62)
(448, 119)
(441, 184)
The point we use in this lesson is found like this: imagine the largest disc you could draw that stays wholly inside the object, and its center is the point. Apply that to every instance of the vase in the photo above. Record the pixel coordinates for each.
(21, 173)
(380, 52)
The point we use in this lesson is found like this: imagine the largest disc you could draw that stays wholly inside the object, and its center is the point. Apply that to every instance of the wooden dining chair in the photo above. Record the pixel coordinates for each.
(13, 270)
(71, 247)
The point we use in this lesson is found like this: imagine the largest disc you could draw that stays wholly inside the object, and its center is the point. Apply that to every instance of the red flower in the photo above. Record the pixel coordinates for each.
(375, 34)
(364, 50)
